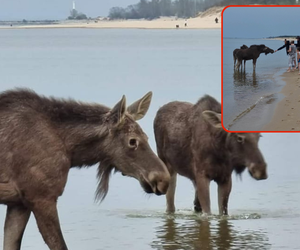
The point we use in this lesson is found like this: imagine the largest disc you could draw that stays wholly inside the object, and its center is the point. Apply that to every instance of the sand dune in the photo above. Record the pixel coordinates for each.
(205, 20)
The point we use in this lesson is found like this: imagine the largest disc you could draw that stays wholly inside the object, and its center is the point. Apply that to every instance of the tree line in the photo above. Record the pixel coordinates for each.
(244, 2)
(181, 8)
(156, 8)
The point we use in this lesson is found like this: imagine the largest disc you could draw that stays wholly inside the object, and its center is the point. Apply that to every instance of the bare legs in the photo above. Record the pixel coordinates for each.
(254, 64)
(48, 223)
(224, 190)
(16, 220)
(202, 189)
(197, 205)
(170, 196)
(45, 212)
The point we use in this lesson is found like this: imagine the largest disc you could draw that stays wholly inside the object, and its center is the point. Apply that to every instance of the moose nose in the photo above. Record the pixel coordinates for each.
(259, 172)
(159, 182)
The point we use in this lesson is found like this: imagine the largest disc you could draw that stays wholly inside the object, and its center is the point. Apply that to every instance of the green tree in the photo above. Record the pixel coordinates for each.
(75, 15)
(117, 13)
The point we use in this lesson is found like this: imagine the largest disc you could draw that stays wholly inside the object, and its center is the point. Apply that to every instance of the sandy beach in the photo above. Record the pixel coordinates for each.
(287, 113)
(205, 20)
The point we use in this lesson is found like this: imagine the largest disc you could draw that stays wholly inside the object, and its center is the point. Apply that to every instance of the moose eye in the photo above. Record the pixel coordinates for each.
(133, 143)
(240, 139)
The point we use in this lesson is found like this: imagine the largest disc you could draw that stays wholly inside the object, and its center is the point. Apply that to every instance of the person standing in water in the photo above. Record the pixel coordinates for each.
(185, 23)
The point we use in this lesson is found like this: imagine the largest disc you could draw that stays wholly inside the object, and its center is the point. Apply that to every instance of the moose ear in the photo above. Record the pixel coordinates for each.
(139, 108)
(118, 111)
(213, 118)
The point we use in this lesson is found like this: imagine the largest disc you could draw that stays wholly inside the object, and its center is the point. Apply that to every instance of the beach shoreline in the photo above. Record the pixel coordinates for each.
(286, 116)
(201, 22)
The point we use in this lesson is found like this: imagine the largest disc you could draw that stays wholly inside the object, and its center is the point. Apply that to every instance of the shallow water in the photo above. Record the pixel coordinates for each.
(101, 66)
(250, 97)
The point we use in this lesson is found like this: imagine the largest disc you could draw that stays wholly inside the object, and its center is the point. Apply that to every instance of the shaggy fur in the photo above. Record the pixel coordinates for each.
(42, 138)
(234, 54)
(191, 142)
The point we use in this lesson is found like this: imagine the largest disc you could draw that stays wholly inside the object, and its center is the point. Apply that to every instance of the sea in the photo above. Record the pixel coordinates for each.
(100, 65)
(250, 96)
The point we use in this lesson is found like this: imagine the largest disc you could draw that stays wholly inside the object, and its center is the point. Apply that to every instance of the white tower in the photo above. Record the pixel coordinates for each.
(73, 5)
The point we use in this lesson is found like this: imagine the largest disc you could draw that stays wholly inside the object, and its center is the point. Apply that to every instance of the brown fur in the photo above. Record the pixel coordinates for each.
(251, 53)
(191, 142)
(234, 54)
(42, 138)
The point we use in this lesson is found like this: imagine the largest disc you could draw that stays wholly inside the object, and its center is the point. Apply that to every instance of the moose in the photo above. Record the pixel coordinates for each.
(191, 142)
(42, 138)
(235, 51)
(251, 53)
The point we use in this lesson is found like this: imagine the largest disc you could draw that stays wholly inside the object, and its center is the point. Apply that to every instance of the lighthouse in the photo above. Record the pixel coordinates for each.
(74, 5)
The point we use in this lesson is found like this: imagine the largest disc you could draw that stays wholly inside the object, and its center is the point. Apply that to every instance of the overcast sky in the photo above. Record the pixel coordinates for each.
(259, 22)
(56, 9)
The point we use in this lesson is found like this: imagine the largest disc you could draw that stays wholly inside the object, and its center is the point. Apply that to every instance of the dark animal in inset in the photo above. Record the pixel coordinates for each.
(252, 53)
(236, 50)
(191, 142)
(42, 138)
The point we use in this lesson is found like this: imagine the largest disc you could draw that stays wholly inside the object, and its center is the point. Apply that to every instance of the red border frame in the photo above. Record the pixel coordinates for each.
(253, 6)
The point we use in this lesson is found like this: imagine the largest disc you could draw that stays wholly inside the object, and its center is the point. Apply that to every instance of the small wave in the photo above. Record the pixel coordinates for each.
(190, 215)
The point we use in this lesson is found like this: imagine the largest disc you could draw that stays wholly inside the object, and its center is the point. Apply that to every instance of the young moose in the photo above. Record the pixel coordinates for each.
(191, 142)
(251, 53)
(42, 138)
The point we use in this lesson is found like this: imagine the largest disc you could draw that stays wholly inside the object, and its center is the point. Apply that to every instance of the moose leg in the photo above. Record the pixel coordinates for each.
(202, 183)
(16, 220)
(244, 65)
(224, 190)
(239, 65)
(197, 205)
(45, 212)
(254, 64)
(170, 196)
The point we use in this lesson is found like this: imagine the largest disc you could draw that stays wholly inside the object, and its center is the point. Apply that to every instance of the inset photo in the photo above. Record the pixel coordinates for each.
(260, 69)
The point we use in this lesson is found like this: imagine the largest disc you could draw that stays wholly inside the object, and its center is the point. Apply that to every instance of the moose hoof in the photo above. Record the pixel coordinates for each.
(197, 209)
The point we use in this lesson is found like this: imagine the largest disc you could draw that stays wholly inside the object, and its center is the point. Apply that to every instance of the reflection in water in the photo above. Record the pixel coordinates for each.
(241, 78)
(206, 234)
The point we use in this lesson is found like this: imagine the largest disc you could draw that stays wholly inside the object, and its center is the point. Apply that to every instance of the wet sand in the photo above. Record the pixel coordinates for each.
(287, 113)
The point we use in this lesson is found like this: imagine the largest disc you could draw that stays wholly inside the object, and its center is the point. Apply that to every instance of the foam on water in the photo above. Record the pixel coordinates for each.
(190, 214)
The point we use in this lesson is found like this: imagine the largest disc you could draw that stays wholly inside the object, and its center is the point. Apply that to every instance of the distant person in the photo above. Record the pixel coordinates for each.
(298, 42)
(216, 20)
(185, 23)
(292, 57)
(298, 59)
